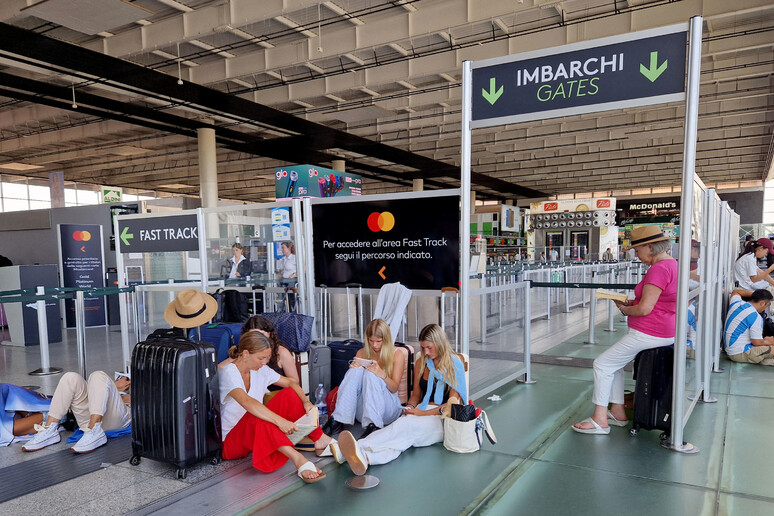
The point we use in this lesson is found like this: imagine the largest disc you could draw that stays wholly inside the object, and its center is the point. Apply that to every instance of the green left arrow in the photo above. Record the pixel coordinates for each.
(125, 235)
(655, 71)
(493, 94)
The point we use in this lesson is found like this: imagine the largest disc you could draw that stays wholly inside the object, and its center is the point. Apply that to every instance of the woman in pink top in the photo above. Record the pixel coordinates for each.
(651, 319)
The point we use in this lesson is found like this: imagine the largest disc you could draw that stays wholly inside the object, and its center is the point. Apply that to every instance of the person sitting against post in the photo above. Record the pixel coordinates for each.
(744, 340)
(248, 425)
(99, 404)
(439, 375)
(369, 393)
(746, 271)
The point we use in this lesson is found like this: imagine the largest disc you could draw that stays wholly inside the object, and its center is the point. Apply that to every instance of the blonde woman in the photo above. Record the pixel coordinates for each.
(439, 375)
(369, 391)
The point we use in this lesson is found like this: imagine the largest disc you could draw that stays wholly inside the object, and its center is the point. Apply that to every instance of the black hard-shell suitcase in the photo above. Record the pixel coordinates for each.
(175, 404)
(653, 390)
(409, 370)
(342, 352)
(319, 368)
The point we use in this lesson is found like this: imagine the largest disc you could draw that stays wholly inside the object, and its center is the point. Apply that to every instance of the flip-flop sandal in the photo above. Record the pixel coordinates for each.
(330, 450)
(308, 466)
(596, 430)
(611, 420)
(352, 454)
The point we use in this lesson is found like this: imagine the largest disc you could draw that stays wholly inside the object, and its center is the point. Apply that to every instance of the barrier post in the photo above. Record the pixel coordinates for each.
(527, 315)
(45, 365)
(592, 319)
(610, 307)
(482, 306)
(80, 331)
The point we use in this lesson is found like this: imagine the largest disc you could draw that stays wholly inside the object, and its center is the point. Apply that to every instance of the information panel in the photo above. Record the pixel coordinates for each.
(634, 69)
(411, 241)
(82, 267)
(158, 234)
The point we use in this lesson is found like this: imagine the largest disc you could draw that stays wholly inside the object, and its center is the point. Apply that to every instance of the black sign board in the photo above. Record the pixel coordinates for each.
(612, 73)
(158, 234)
(82, 267)
(411, 241)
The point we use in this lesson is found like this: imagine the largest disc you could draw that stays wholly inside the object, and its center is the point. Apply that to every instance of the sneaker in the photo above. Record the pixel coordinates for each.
(45, 436)
(332, 427)
(368, 430)
(91, 440)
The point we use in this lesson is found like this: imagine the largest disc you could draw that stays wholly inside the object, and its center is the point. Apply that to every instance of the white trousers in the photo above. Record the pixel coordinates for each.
(385, 445)
(97, 396)
(365, 397)
(608, 367)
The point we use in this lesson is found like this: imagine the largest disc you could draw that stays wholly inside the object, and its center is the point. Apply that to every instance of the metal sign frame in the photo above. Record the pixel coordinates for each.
(691, 96)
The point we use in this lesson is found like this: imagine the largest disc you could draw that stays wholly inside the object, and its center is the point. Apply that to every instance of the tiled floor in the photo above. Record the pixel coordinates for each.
(538, 467)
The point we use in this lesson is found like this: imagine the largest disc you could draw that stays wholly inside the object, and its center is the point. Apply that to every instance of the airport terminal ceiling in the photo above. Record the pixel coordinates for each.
(374, 82)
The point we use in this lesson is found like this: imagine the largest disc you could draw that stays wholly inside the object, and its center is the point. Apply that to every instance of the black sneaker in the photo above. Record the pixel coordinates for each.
(368, 430)
(332, 427)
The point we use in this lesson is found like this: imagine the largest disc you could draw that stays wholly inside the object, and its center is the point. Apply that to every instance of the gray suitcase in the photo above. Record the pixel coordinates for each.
(319, 368)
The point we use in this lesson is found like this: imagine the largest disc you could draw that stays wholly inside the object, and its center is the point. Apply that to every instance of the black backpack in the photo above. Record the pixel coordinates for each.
(234, 307)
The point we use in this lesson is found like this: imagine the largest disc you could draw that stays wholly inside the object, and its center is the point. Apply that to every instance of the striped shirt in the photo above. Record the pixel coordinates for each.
(691, 340)
(743, 324)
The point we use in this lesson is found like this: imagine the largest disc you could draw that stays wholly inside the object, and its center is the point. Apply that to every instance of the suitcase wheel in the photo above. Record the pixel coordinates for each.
(664, 436)
(215, 460)
(634, 431)
(135, 460)
(182, 473)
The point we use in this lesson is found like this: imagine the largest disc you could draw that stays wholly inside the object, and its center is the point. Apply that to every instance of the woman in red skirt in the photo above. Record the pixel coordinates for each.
(249, 425)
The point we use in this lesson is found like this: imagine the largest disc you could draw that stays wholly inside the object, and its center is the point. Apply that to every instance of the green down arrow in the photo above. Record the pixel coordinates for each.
(125, 235)
(655, 71)
(492, 95)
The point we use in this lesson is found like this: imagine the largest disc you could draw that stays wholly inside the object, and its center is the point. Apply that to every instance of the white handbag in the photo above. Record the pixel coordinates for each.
(465, 436)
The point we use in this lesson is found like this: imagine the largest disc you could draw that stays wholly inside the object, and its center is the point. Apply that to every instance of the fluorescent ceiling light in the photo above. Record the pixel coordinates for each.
(19, 166)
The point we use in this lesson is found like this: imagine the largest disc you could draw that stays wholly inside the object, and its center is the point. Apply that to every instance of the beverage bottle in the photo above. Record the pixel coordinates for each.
(319, 401)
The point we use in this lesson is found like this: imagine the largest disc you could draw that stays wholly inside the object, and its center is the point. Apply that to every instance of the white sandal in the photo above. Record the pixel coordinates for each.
(308, 466)
(597, 430)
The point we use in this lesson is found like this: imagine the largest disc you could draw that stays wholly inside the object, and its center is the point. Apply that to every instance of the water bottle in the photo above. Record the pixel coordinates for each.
(319, 401)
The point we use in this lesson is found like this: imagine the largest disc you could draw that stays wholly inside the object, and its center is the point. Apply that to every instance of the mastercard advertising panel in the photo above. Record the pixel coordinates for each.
(82, 267)
(411, 241)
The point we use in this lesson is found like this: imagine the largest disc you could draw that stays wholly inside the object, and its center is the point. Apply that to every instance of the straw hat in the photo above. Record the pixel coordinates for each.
(646, 235)
(190, 309)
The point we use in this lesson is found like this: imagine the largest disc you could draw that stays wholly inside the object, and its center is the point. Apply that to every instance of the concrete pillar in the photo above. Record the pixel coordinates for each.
(208, 167)
(339, 165)
(418, 184)
(208, 179)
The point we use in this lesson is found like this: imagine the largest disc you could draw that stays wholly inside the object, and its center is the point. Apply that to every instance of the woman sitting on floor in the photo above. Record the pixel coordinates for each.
(439, 375)
(99, 405)
(250, 426)
(281, 360)
(369, 393)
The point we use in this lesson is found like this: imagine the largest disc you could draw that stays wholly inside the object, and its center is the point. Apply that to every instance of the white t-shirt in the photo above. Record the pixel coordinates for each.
(235, 266)
(288, 266)
(744, 268)
(230, 378)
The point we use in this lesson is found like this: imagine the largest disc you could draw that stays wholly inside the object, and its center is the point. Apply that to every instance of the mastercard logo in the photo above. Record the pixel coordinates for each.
(81, 236)
(384, 221)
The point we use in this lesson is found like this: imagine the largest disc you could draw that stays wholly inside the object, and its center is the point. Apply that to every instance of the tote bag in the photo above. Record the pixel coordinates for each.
(465, 436)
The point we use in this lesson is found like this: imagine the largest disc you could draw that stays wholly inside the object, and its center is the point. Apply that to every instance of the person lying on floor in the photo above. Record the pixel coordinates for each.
(369, 393)
(20, 410)
(99, 405)
(744, 338)
(250, 426)
(439, 374)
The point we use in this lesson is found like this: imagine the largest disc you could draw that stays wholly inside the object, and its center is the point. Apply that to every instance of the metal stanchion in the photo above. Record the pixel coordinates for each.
(482, 305)
(610, 308)
(592, 320)
(80, 331)
(527, 337)
(45, 366)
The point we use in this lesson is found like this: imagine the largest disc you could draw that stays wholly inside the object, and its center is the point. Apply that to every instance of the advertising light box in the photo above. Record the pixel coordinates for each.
(311, 181)
(411, 241)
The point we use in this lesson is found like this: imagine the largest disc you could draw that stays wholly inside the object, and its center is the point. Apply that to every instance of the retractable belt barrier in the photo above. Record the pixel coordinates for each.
(41, 295)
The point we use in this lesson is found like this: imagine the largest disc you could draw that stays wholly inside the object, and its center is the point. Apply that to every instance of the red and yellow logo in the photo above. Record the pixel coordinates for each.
(384, 221)
(551, 206)
(603, 203)
(81, 236)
